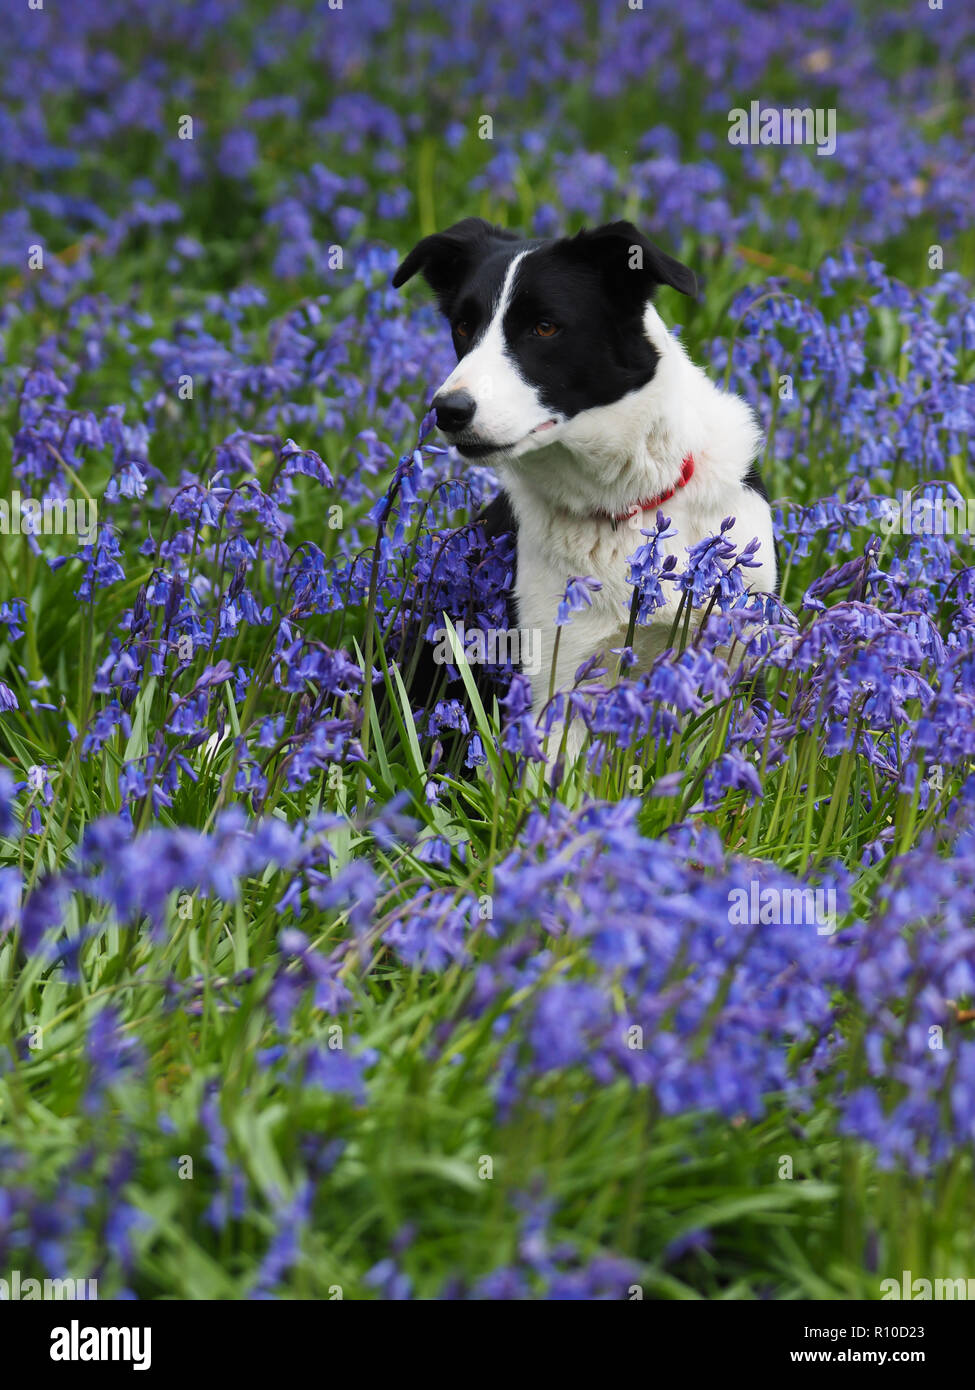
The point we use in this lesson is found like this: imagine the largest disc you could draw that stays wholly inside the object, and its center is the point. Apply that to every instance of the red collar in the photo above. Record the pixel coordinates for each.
(652, 504)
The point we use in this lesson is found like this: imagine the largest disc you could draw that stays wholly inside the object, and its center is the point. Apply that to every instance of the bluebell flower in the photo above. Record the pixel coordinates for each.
(578, 594)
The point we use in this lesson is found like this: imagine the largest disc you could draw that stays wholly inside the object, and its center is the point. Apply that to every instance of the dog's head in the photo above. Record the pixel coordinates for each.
(543, 330)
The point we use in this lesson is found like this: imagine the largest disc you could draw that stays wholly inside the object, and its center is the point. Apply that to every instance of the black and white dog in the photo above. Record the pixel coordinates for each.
(569, 383)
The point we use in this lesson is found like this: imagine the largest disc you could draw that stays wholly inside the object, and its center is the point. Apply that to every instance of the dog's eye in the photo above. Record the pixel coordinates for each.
(545, 328)
(462, 328)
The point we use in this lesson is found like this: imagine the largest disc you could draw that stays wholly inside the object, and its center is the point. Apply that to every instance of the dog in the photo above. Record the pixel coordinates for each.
(571, 386)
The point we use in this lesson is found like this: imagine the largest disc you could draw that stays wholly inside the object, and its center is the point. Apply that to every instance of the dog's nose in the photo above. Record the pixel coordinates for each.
(455, 410)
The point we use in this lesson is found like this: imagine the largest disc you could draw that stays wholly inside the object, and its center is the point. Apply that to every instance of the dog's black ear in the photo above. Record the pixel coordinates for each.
(445, 257)
(632, 264)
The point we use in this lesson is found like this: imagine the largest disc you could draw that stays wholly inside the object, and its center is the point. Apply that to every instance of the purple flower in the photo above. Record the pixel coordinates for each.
(578, 594)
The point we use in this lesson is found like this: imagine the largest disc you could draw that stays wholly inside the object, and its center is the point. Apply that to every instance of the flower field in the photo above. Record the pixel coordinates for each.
(312, 986)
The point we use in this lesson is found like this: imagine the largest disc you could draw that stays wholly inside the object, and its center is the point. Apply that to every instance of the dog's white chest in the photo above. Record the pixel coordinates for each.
(550, 552)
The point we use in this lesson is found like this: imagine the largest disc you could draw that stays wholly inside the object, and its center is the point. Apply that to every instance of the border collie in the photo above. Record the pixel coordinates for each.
(571, 386)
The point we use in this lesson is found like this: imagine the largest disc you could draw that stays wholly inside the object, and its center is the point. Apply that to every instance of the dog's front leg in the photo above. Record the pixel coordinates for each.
(568, 648)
